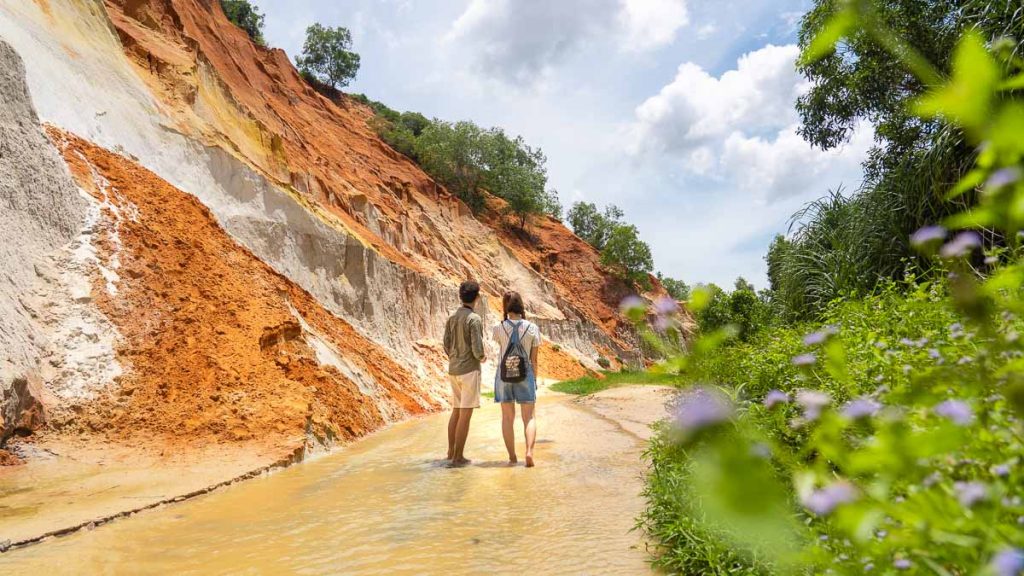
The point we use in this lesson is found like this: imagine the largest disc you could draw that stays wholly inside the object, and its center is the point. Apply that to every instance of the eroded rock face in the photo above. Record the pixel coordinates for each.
(40, 210)
(22, 408)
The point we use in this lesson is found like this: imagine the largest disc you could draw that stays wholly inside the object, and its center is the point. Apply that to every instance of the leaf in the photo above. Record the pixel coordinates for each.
(972, 180)
(977, 218)
(825, 40)
(1015, 83)
(967, 97)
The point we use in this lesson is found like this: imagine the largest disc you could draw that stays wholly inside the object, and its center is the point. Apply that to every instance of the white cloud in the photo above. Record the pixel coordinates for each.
(705, 31)
(650, 24)
(696, 107)
(741, 127)
(521, 42)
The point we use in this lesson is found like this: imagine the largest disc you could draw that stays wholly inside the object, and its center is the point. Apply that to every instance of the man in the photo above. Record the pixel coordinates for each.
(464, 344)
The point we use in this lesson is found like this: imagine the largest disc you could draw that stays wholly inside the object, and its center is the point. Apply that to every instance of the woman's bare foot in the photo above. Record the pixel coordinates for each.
(529, 460)
(512, 460)
(460, 462)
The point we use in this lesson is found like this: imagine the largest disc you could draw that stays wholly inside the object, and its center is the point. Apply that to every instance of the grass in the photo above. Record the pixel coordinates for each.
(593, 384)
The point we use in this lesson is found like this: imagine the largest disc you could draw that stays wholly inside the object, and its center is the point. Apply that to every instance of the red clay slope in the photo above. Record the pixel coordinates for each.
(211, 344)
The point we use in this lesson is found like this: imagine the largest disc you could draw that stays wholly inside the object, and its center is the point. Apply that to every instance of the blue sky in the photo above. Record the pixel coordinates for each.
(678, 111)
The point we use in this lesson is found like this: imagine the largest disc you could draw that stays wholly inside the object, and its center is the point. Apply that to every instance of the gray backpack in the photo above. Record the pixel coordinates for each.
(514, 363)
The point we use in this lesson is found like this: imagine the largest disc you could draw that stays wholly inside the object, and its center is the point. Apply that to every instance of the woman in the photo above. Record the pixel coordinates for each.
(524, 338)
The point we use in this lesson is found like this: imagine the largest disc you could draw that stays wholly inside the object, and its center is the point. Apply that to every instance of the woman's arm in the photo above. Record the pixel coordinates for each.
(535, 360)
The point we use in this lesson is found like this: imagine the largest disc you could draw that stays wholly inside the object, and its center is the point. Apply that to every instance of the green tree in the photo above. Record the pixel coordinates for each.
(743, 284)
(628, 255)
(516, 172)
(246, 16)
(716, 314)
(453, 154)
(676, 288)
(327, 55)
(593, 226)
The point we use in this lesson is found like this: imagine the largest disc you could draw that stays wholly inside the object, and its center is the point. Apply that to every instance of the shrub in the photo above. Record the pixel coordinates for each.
(591, 225)
(246, 16)
(556, 347)
(327, 55)
(631, 257)
(604, 363)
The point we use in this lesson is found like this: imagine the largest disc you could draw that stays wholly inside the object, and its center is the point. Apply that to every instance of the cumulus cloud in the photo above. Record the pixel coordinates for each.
(741, 126)
(649, 24)
(521, 41)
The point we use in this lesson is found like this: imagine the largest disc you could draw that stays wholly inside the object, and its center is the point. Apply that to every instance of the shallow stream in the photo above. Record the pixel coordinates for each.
(386, 504)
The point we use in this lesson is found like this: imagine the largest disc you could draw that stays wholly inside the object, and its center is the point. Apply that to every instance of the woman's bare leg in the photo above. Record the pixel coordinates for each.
(530, 426)
(508, 420)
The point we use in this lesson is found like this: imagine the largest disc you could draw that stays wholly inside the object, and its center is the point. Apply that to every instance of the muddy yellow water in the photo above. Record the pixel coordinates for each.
(387, 505)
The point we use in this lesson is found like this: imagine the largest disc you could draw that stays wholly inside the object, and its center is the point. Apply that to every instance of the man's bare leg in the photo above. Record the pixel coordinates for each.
(530, 426)
(461, 434)
(452, 424)
(508, 433)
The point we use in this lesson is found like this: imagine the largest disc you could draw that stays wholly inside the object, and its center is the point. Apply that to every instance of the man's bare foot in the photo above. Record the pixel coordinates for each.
(512, 460)
(459, 463)
(529, 460)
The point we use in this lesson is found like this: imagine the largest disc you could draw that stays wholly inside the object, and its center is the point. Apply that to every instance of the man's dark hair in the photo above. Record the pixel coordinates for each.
(468, 291)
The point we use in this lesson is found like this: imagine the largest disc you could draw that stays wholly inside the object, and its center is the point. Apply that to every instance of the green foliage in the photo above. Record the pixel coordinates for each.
(247, 17)
(676, 288)
(845, 245)
(517, 173)
(604, 363)
(327, 55)
(742, 309)
(452, 154)
(593, 384)
(888, 439)
(466, 159)
(631, 257)
(593, 226)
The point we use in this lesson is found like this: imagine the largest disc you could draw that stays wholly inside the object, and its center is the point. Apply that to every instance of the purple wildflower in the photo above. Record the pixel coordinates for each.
(961, 245)
(824, 500)
(812, 401)
(934, 354)
(957, 411)
(1007, 562)
(970, 493)
(775, 397)
(666, 306)
(1001, 470)
(632, 302)
(927, 236)
(1003, 177)
(820, 336)
(804, 360)
(662, 323)
(700, 408)
(861, 408)
(902, 564)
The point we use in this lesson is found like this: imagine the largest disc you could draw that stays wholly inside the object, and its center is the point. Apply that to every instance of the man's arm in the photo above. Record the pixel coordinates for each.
(448, 337)
(476, 337)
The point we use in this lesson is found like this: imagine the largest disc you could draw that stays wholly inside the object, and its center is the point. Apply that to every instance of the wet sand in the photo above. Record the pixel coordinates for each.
(386, 504)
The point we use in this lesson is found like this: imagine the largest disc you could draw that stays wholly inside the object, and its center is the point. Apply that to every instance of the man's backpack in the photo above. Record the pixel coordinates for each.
(514, 363)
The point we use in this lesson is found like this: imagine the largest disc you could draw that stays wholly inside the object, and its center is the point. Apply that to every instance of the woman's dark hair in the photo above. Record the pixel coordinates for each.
(513, 302)
(468, 291)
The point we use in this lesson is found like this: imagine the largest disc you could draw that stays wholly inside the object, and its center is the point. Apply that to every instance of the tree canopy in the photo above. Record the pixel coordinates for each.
(246, 16)
(327, 55)
(627, 254)
(593, 226)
